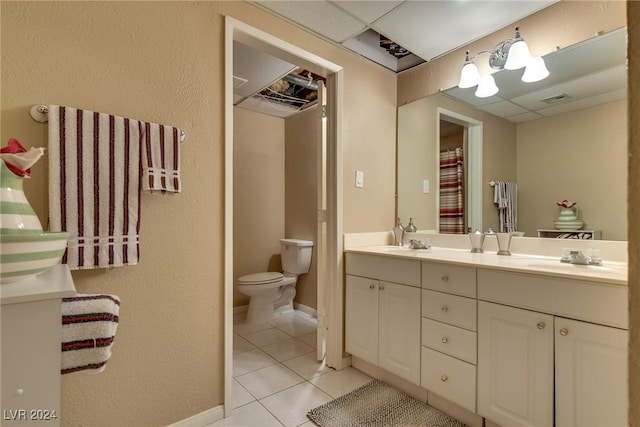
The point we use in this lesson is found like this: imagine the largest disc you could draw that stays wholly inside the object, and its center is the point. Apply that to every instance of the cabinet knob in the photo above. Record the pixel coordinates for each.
(381, 287)
(541, 325)
(19, 392)
(445, 278)
(444, 308)
(444, 378)
(372, 286)
(564, 332)
(444, 340)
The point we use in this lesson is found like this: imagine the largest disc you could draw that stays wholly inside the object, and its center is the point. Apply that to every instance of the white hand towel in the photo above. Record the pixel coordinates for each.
(89, 324)
(94, 186)
(161, 158)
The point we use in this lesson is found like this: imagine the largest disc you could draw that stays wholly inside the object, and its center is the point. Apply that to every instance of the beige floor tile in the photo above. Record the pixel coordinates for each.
(240, 345)
(267, 381)
(293, 325)
(266, 337)
(240, 395)
(310, 339)
(250, 415)
(291, 405)
(250, 361)
(243, 329)
(337, 383)
(287, 349)
(307, 366)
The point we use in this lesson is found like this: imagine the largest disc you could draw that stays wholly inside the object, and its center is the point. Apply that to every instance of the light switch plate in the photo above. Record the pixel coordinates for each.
(359, 179)
(425, 186)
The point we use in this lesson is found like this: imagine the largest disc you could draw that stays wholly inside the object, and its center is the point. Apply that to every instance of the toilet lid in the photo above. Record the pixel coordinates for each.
(256, 278)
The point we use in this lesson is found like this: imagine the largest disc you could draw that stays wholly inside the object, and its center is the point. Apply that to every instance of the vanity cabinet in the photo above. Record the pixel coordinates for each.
(382, 318)
(530, 350)
(448, 354)
(31, 320)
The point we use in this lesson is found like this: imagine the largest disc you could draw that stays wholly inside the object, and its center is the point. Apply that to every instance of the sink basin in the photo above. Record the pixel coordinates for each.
(555, 264)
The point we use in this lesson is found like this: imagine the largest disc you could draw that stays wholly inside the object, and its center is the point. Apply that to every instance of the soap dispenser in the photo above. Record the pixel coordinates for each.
(410, 228)
(398, 231)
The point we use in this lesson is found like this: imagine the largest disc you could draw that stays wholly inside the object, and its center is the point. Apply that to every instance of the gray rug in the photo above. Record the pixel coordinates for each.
(377, 404)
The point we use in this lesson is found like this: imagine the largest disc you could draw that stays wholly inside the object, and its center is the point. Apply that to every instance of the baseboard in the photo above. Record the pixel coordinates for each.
(202, 419)
(305, 309)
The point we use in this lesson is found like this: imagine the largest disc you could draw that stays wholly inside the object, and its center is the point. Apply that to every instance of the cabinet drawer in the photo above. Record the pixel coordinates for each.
(450, 378)
(457, 342)
(451, 309)
(397, 270)
(450, 278)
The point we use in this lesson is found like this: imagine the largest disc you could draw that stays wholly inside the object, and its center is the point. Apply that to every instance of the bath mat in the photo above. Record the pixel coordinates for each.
(377, 404)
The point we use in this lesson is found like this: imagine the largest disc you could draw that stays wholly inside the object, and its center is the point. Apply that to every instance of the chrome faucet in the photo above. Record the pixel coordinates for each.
(577, 257)
(417, 244)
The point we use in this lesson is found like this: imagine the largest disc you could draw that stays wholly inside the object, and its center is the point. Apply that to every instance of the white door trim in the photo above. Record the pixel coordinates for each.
(241, 31)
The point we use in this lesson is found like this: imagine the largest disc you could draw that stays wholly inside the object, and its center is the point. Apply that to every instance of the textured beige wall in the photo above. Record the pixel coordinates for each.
(579, 156)
(301, 154)
(633, 25)
(258, 194)
(164, 61)
(416, 124)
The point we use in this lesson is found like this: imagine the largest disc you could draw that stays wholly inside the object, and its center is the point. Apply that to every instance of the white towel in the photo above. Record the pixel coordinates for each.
(94, 186)
(505, 195)
(161, 158)
(89, 324)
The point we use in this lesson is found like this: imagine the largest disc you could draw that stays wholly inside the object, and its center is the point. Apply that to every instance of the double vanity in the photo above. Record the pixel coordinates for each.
(510, 340)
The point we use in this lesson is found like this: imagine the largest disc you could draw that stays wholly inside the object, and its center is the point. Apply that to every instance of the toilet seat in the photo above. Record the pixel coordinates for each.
(264, 278)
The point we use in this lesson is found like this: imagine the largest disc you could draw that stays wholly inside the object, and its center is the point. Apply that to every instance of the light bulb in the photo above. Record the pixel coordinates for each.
(518, 55)
(469, 76)
(536, 70)
(487, 87)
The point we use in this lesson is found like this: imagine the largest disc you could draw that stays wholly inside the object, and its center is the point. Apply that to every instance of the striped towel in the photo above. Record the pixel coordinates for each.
(97, 166)
(505, 195)
(89, 324)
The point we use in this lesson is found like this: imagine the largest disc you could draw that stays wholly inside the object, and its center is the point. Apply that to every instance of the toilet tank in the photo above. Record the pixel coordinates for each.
(296, 255)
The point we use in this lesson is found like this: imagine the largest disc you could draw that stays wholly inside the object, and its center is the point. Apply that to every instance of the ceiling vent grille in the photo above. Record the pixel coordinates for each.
(556, 98)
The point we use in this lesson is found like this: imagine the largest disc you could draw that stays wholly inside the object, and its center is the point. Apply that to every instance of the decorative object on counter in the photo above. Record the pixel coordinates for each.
(410, 228)
(26, 250)
(398, 233)
(98, 163)
(504, 240)
(419, 244)
(477, 240)
(568, 218)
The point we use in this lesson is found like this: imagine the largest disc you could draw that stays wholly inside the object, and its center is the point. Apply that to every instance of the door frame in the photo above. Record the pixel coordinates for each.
(333, 290)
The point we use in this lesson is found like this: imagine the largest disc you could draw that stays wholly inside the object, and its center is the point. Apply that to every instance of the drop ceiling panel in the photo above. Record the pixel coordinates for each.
(367, 11)
(432, 28)
(319, 16)
(258, 68)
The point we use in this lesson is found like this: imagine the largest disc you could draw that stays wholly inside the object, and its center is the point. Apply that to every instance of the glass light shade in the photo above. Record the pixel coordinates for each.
(469, 76)
(536, 70)
(487, 87)
(518, 56)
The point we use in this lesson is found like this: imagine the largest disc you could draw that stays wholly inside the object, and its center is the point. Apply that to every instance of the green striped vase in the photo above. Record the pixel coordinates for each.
(16, 214)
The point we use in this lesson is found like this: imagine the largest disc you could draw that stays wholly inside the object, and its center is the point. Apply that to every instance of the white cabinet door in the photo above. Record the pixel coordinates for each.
(591, 374)
(515, 366)
(361, 318)
(399, 330)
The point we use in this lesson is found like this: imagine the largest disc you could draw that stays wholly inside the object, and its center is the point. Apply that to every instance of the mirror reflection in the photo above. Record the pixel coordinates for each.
(563, 138)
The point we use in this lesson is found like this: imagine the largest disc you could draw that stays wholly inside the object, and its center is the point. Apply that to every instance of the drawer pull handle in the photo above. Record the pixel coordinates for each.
(444, 340)
(444, 309)
(445, 278)
(541, 325)
(564, 332)
(19, 392)
(372, 286)
(444, 378)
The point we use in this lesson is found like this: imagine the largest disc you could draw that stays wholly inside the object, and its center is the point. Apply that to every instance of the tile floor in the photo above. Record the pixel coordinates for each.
(276, 378)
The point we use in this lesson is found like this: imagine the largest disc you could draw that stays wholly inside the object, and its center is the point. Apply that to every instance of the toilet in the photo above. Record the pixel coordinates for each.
(271, 293)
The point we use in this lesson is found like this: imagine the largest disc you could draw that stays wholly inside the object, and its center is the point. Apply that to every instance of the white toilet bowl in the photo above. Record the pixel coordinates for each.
(264, 289)
(272, 293)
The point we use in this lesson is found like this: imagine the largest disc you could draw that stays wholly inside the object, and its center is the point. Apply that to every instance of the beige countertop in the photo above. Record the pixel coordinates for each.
(611, 272)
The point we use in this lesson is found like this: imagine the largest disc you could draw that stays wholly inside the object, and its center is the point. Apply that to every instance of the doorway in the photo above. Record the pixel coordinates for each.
(328, 248)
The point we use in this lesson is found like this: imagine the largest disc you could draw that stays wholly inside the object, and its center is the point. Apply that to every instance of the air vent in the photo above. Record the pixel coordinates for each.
(556, 98)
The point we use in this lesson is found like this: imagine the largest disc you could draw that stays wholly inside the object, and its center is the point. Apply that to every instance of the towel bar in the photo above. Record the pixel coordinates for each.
(492, 183)
(40, 113)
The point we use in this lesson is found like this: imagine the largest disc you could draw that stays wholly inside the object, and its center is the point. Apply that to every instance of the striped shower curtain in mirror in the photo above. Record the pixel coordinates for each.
(452, 191)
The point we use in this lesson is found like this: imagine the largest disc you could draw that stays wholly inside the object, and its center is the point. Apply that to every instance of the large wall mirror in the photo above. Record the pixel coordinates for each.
(564, 137)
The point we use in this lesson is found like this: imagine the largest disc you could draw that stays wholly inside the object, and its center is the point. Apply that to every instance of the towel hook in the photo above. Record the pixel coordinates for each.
(40, 113)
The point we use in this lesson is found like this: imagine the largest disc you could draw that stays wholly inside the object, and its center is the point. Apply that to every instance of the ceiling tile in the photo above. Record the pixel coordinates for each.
(432, 28)
(365, 10)
(322, 17)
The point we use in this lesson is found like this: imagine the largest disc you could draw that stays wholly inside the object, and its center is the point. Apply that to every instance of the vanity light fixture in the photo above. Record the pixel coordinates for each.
(512, 54)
